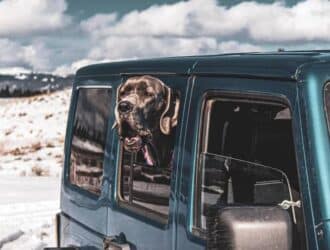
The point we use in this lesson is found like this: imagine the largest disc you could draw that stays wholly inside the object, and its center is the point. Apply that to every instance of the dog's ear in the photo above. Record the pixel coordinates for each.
(116, 124)
(169, 118)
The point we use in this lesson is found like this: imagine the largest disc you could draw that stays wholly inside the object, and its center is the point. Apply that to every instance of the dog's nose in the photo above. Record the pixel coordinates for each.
(125, 107)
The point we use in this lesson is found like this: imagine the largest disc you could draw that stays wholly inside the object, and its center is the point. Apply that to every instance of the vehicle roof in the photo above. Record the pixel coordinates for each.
(282, 64)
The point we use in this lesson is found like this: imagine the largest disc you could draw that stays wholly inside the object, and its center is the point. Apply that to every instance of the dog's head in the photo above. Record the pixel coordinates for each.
(144, 106)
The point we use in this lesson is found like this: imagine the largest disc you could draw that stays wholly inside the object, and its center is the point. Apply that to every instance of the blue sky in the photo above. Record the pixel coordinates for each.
(62, 35)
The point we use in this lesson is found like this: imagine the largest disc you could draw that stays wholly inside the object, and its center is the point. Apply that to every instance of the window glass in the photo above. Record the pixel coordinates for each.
(327, 103)
(230, 181)
(145, 185)
(89, 137)
(246, 158)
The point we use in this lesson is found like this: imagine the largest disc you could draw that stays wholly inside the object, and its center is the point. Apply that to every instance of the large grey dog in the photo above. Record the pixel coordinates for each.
(146, 113)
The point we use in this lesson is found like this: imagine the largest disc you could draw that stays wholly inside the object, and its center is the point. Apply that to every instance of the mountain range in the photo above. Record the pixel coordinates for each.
(28, 84)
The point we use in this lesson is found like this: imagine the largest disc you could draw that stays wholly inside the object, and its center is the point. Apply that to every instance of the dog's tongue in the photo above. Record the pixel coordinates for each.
(147, 156)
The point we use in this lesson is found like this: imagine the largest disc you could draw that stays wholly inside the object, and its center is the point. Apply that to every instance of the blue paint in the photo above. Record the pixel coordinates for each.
(319, 137)
(296, 78)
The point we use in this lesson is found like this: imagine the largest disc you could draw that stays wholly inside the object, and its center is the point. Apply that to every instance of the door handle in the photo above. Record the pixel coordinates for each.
(117, 242)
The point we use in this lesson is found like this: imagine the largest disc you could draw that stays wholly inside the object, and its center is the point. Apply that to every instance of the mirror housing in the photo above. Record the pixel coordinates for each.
(249, 228)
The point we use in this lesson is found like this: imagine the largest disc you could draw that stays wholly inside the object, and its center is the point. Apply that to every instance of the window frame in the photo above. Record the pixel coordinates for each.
(134, 210)
(261, 98)
(326, 111)
(75, 97)
(155, 218)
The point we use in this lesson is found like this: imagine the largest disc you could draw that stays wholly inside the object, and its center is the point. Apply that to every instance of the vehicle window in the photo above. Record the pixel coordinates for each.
(147, 150)
(89, 137)
(146, 174)
(145, 185)
(246, 158)
(327, 103)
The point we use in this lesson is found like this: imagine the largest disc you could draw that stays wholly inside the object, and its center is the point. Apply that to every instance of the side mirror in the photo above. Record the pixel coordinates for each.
(249, 228)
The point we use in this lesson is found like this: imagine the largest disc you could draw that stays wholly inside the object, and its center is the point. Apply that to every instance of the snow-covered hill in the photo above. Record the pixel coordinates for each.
(29, 83)
(32, 131)
(32, 134)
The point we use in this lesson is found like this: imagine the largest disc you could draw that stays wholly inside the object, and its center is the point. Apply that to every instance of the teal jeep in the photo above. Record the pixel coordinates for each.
(227, 151)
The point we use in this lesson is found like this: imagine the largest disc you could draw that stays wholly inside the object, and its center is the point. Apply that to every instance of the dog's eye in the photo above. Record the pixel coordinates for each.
(149, 94)
(127, 89)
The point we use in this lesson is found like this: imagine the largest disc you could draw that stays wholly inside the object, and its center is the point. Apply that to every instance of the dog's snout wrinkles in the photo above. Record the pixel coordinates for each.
(125, 107)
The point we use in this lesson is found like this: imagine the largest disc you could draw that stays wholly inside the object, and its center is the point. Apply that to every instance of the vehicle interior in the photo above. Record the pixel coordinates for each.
(247, 158)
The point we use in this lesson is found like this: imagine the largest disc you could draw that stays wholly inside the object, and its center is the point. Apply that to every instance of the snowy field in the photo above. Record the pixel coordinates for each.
(32, 132)
(27, 209)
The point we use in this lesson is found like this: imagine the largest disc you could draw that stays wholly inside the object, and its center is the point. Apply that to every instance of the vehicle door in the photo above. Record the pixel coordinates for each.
(255, 124)
(143, 198)
(84, 194)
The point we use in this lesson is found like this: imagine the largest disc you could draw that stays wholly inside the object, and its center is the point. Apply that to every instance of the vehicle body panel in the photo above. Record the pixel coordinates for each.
(137, 226)
(297, 78)
(89, 209)
(231, 87)
(312, 80)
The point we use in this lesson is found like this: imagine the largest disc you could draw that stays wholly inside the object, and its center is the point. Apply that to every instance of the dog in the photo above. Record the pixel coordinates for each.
(146, 113)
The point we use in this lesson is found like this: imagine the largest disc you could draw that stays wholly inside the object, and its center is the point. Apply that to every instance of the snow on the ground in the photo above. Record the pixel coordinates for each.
(29, 225)
(32, 132)
(27, 210)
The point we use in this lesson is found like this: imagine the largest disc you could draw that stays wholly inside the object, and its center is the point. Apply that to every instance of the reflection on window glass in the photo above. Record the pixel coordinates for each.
(327, 103)
(226, 181)
(145, 185)
(89, 136)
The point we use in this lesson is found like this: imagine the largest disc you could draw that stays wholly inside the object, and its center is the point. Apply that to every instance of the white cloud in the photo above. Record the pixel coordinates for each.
(34, 56)
(235, 47)
(115, 47)
(20, 17)
(99, 22)
(67, 69)
(306, 21)
(203, 27)
(14, 71)
(183, 28)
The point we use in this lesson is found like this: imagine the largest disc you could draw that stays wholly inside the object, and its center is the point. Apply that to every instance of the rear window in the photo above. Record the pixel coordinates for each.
(327, 103)
(89, 137)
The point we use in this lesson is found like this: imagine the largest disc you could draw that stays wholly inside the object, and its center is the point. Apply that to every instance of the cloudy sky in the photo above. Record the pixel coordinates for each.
(61, 35)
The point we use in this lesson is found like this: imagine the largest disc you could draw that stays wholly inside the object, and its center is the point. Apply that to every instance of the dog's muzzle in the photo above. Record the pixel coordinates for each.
(130, 131)
(125, 107)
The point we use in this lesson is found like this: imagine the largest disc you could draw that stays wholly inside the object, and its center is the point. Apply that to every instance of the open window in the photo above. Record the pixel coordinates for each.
(145, 175)
(90, 127)
(247, 158)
